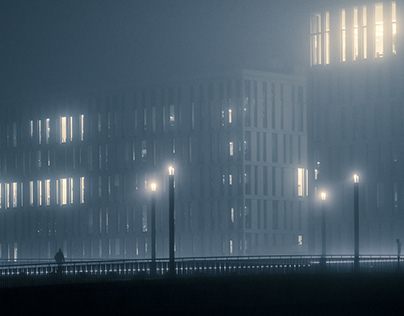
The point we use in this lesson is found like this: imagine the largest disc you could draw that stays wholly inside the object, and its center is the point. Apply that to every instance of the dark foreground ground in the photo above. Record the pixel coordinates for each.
(239, 295)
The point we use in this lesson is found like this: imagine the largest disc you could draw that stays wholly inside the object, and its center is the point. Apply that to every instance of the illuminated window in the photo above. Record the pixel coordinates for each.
(343, 35)
(15, 198)
(31, 193)
(63, 191)
(144, 218)
(71, 128)
(133, 151)
(39, 132)
(144, 150)
(315, 39)
(355, 34)
(300, 240)
(47, 192)
(231, 148)
(39, 192)
(71, 190)
(230, 179)
(379, 30)
(394, 27)
(47, 130)
(230, 116)
(7, 195)
(172, 115)
(300, 181)
(364, 33)
(327, 39)
(231, 246)
(81, 127)
(31, 129)
(81, 190)
(232, 214)
(63, 129)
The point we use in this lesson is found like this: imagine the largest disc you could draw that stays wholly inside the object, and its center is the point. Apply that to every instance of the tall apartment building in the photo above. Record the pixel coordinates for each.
(75, 172)
(356, 124)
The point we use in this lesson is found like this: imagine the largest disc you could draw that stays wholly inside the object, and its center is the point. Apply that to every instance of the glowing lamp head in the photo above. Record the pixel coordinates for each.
(323, 196)
(356, 178)
(153, 187)
(171, 170)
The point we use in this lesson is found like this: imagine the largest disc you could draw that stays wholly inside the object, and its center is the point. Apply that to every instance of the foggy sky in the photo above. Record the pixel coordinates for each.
(53, 46)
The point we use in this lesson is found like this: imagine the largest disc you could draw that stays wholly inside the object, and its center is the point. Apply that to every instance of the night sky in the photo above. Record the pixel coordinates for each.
(55, 46)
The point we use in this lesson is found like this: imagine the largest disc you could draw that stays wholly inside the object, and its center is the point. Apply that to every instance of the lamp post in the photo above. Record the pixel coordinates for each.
(171, 219)
(323, 230)
(153, 228)
(356, 223)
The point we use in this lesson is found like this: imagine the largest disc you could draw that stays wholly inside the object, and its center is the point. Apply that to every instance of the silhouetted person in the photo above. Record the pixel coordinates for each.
(59, 258)
(398, 253)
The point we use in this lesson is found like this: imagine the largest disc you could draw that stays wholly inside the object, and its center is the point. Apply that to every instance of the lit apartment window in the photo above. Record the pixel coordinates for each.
(327, 39)
(81, 190)
(39, 132)
(47, 130)
(31, 193)
(230, 116)
(172, 114)
(81, 127)
(232, 214)
(99, 122)
(63, 191)
(394, 27)
(144, 218)
(315, 39)
(231, 246)
(31, 129)
(144, 149)
(231, 148)
(230, 179)
(39, 192)
(71, 128)
(343, 35)
(300, 240)
(15, 197)
(379, 30)
(71, 190)
(300, 181)
(63, 129)
(133, 151)
(355, 34)
(7, 195)
(47, 192)
(364, 33)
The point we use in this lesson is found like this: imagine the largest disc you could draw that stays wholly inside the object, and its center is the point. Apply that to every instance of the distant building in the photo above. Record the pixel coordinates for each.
(356, 124)
(76, 172)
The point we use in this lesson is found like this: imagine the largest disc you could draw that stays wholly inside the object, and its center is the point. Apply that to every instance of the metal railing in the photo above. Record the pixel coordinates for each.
(29, 269)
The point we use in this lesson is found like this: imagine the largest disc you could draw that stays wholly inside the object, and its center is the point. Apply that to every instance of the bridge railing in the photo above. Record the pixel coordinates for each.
(198, 266)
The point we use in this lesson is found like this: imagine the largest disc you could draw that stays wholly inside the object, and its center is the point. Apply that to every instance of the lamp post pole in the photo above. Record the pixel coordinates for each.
(323, 231)
(356, 223)
(171, 220)
(153, 228)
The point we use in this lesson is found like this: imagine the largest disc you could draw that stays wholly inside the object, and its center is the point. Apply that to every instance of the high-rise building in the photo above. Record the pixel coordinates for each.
(75, 172)
(356, 124)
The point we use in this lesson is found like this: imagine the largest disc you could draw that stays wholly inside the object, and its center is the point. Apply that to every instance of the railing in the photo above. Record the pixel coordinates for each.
(29, 269)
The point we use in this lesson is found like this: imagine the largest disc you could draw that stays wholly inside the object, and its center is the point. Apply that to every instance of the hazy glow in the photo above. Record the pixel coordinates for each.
(343, 35)
(394, 27)
(356, 178)
(323, 196)
(364, 32)
(153, 187)
(327, 39)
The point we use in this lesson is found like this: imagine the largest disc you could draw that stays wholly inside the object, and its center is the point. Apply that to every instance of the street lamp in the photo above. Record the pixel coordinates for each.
(171, 219)
(356, 223)
(153, 189)
(323, 230)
